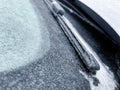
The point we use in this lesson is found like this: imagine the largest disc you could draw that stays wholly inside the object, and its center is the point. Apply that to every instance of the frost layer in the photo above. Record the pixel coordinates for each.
(23, 37)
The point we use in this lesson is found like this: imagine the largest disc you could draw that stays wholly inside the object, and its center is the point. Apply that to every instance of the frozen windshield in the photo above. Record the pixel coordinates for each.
(22, 34)
(108, 10)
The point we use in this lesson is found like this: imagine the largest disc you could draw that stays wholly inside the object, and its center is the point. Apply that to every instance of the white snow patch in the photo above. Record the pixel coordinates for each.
(23, 37)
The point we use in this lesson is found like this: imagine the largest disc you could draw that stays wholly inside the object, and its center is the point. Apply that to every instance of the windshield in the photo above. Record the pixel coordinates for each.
(34, 52)
(40, 50)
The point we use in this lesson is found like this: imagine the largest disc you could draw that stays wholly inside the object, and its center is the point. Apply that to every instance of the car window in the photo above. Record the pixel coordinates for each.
(36, 54)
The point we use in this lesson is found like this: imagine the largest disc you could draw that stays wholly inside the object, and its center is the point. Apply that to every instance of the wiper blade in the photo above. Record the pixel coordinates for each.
(88, 56)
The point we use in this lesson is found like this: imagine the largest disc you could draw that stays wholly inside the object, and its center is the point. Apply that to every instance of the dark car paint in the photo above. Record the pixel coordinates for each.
(107, 29)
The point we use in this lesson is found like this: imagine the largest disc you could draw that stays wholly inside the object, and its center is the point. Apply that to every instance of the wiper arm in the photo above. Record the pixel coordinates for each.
(69, 7)
(85, 52)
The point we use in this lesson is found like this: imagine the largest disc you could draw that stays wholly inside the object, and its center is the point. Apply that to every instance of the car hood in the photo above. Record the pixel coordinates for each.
(108, 10)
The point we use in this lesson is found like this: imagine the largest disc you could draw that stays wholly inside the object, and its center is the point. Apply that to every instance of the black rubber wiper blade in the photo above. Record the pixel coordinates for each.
(88, 56)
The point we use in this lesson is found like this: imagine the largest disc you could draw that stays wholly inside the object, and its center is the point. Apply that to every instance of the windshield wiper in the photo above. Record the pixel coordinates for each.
(88, 56)
(71, 6)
